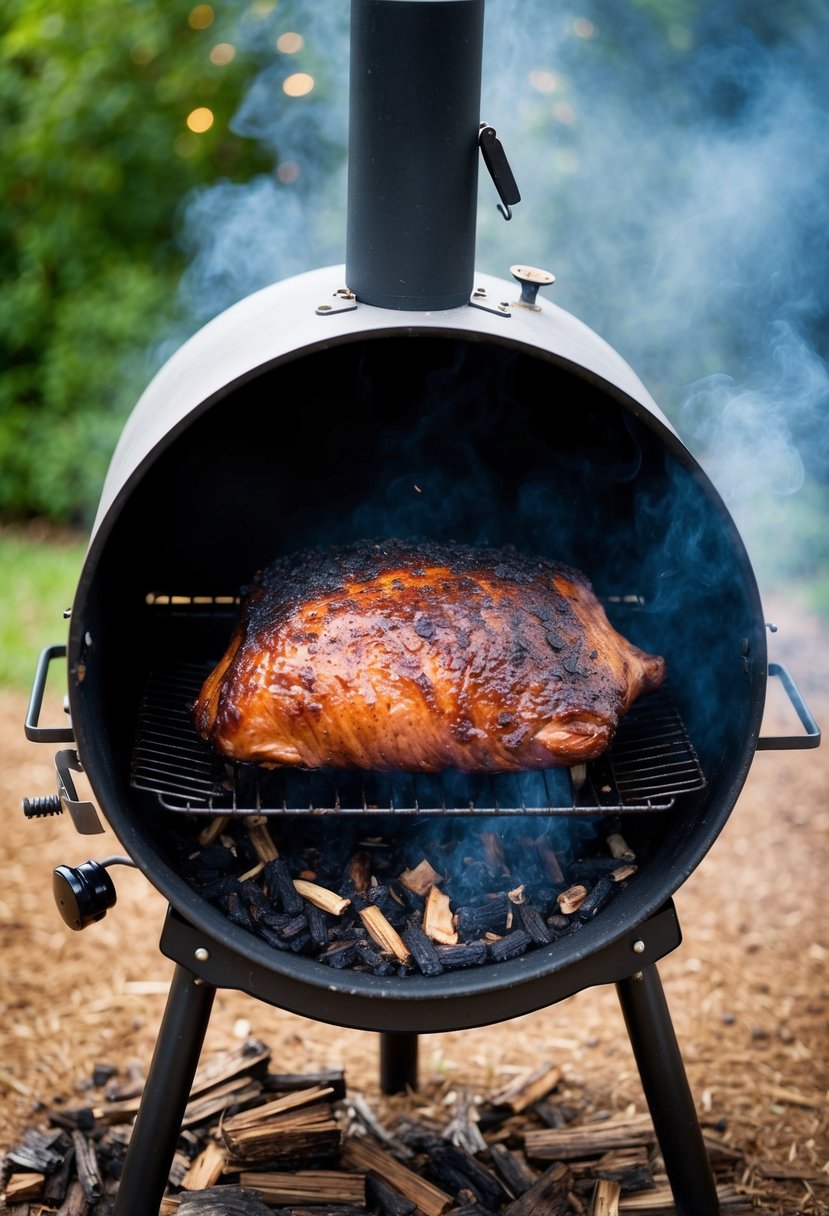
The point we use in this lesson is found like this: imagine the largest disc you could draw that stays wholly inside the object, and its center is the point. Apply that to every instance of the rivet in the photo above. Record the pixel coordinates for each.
(639, 947)
(202, 954)
(87, 638)
(638, 975)
(323, 308)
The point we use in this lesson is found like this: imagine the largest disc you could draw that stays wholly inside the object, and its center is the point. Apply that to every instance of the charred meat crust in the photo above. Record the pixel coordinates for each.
(406, 655)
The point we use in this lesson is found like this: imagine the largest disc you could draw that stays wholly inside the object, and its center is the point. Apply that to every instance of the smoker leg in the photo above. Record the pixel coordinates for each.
(153, 1141)
(398, 1062)
(665, 1083)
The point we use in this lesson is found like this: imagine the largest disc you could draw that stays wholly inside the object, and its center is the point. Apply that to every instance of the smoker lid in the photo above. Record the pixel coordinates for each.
(282, 321)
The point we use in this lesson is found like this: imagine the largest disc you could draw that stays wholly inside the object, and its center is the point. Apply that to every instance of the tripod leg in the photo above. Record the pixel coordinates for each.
(398, 1062)
(665, 1083)
(153, 1141)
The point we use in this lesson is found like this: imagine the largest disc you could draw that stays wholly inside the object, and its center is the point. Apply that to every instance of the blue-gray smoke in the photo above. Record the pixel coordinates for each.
(674, 168)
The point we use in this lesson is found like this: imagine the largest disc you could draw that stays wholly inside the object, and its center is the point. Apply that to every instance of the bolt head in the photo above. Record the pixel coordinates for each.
(202, 954)
(639, 947)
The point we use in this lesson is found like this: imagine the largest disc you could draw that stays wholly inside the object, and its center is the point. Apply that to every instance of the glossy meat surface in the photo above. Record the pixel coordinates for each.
(401, 656)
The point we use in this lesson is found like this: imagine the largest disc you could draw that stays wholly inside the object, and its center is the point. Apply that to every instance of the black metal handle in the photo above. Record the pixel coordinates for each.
(34, 731)
(791, 742)
(495, 159)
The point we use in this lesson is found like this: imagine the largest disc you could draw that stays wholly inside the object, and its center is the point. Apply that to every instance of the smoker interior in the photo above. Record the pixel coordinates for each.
(435, 435)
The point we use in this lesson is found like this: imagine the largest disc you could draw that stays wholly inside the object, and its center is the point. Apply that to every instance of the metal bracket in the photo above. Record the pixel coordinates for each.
(84, 815)
(480, 299)
(791, 742)
(344, 301)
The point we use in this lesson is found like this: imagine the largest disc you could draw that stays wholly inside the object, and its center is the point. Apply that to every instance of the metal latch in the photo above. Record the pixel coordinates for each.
(495, 159)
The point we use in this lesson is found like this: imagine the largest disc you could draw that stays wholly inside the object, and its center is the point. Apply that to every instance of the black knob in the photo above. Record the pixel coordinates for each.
(38, 808)
(83, 893)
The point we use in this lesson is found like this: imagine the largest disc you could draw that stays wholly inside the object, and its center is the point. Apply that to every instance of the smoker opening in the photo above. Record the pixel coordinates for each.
(445, 435)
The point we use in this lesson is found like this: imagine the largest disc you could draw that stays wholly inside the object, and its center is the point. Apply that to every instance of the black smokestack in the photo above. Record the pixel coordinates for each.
(413, 151)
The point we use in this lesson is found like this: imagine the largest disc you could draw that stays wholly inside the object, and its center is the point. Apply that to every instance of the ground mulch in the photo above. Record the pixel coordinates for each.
(748, 988)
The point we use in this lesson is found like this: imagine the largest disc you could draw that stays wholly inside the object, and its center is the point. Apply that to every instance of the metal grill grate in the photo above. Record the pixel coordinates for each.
(649, 764)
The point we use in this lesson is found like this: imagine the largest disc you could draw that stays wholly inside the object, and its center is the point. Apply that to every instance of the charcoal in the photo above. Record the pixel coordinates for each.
(281, 887)
(591, 868)
(300, 943)
(274, 939)
(217, 857)
(57, 1183)
(469, 954)
(513, 1169)
(318, 922)
(255, 899)
(374, 961)
(339, 954)
(532, 922)
(558, 922)
(222, 1201)
(511, 946)
(36, 1152)
(423, 949)
(71, 1120)
(491, 914)
(295, 926)
(597, 899)
(214, 888)
(382, 1198)
(477, 1178)
(102, 1073)
(470, 1209)
(236, 911)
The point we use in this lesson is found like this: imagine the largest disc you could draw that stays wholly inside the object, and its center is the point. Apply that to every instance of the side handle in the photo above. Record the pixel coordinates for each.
(791, 742)
(34, 731)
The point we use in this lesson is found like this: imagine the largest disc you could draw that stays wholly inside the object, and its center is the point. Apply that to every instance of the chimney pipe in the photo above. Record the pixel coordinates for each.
(415, 98)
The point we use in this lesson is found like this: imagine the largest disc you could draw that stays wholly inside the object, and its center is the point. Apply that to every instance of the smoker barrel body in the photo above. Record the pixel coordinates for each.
(277, 427)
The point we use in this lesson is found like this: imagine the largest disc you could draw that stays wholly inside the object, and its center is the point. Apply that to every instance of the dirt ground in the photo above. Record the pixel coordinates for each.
(748, 989)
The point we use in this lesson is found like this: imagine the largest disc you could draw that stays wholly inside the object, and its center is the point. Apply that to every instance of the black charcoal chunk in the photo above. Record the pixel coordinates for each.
(596, 899)
(423, 949)
(281, 887)
(468, 954)
(511, 946)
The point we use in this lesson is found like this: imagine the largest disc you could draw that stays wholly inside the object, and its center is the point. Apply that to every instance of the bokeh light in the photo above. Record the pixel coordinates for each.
(222, 53)
(298, 85)
(289, 43)
(201, 17)
(200, 120)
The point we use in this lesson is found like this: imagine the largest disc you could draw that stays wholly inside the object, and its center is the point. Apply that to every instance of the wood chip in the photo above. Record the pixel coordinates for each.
(321, 897)
(384, 934)
(260, 837)
(21, 1187)
(419, 879)
(437, 918)
(571, 899)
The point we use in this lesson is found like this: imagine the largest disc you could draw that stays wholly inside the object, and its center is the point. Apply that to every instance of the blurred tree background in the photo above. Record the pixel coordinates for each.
(110, 113)
(626, 123)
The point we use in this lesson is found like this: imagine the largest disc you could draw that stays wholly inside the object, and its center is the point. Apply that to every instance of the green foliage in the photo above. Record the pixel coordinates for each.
(39, 574)
(97, 156)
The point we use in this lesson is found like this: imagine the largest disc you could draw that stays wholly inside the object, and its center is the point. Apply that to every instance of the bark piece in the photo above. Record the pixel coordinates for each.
(571, 900)
(206, 1169)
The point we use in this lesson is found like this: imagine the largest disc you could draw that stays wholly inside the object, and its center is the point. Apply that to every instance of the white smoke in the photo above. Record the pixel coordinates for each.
(675, 178)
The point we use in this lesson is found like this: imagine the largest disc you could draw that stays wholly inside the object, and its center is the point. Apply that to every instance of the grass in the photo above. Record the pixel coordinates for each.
(40, 569)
